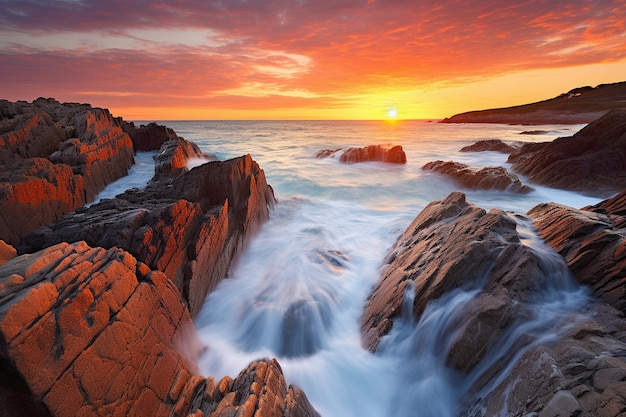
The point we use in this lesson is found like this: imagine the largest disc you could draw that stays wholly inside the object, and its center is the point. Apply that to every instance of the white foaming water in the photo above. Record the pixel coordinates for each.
(298, 289)
(138, 176)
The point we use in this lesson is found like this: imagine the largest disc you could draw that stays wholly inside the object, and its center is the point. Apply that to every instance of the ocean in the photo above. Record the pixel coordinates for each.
(297, 291)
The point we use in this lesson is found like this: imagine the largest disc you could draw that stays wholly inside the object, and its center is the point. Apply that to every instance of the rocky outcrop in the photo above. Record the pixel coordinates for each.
(592, 161)
(580, 105)
(190, 226)
(149, 137)
(55, 158)
(393, 155)
(578, 370)
(582, 374)
(7, 252)
(488, 178)
(495, 145)
(259, 390)
(35, 192)
(593, 243)
(91, 332)
(173, 158)
(453, 244)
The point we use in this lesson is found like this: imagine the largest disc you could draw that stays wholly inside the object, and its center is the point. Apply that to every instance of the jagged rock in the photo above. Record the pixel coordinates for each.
(55, 158)
(394, 155)
(7, 252)
(88, 331)
(593, 243)
(453, 244)
(149, 137)
(488, 178)
(190, 227)
(100, 151)
(173, 156)
(259, 390)
(495, 145)
(34, 192)
(592, 161)
(582, 374)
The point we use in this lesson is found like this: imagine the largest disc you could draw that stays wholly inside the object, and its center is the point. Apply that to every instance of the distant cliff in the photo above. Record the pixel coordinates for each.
(580, 105)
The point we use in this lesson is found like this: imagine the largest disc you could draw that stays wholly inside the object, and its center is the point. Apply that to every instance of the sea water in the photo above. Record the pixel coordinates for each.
(298, 289)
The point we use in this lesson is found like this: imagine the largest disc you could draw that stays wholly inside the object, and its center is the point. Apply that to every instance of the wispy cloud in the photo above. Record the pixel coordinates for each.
(216, 52)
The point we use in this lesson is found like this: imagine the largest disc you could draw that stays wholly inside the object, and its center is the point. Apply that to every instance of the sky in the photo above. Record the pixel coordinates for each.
(306, 59)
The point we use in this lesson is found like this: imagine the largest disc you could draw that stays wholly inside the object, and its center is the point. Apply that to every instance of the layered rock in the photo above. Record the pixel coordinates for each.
(453, 244)
(578, 370)
(582, 374)
(190, 226)
(495, 145)
(488, 178)
(592, 161)
(593, 243)
(89, 331)
(394, 155)
(55, 158)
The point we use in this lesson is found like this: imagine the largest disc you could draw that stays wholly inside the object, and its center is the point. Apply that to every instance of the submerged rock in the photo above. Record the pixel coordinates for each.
(89, 331)
(592, 161)
(394, 155)
(488, 178)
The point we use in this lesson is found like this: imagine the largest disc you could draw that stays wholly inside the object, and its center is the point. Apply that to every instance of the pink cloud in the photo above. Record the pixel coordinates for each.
(324, 48)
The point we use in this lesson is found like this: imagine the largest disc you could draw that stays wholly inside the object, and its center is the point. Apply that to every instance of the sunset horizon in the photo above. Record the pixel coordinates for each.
(346, 60)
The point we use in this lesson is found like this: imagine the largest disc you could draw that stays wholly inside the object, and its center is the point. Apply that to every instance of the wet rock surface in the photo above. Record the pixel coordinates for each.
(90, 331)
(190, 227)
(372, 153)
(579, 370)
(495, 145)
(454, 244)
(593, 243)
(488, 178)
(592, 161)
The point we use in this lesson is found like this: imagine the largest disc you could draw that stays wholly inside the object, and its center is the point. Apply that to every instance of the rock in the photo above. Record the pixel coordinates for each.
(173, 156)
(495, 145)
(55, 158)
(327, 153)
(101, 151)
(191, 226)
(7, 252)
(149, 137)
(259, 390)
(88, 331)
(394, 155)
(593, 243)
(592, 161)
(453, 244)
(533, 132)
(488, 178)
(581, 374)
(35, 192)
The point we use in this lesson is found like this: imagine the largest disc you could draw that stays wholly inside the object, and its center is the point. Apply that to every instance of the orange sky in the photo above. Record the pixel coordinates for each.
(299, 59)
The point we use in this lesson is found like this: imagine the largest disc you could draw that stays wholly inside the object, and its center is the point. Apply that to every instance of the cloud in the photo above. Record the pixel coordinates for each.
(296, 49)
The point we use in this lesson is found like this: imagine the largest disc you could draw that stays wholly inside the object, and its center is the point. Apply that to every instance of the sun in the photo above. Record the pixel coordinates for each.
(392, 113)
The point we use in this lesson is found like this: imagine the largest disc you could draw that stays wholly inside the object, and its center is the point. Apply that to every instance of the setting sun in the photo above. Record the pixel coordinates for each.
(392, 113)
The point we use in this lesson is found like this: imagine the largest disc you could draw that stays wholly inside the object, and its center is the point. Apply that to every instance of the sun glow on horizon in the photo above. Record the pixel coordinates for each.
(392, 113)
